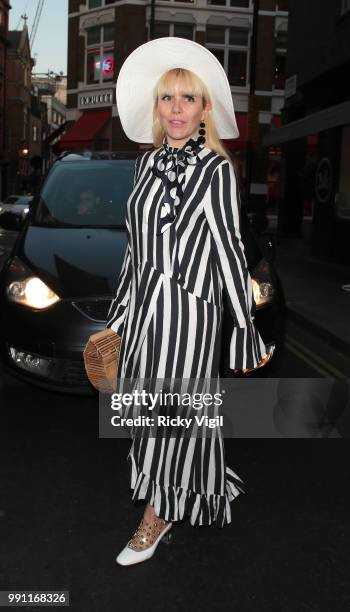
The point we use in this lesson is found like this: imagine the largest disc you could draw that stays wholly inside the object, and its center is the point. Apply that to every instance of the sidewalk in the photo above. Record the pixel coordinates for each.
(313, 291)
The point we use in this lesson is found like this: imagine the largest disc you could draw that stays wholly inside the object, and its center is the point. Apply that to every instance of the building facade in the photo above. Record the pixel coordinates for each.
(53, 94)
(102, 33)
(18, 131)
(4, 12)
(315, 135)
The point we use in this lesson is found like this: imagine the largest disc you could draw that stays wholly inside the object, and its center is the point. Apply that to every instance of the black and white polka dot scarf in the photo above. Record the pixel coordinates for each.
(170, 165)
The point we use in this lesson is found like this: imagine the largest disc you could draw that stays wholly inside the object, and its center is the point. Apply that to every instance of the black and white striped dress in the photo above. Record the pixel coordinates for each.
(168, 311)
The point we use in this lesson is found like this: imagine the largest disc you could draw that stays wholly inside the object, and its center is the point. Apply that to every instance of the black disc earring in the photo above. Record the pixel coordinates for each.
(201, 138)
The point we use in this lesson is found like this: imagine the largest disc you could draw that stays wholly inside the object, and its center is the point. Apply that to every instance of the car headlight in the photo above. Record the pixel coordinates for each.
(23, 287)
(263, 289)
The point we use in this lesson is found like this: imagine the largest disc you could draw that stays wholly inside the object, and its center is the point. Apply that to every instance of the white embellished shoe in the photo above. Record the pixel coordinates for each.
(145, 541)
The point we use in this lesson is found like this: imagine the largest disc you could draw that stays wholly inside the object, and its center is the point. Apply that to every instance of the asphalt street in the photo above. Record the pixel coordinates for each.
(66, 508)
(66, 511)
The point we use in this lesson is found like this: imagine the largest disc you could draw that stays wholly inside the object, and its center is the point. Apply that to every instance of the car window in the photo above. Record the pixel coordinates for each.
(24, 200)
(86, 194)
(11, 200)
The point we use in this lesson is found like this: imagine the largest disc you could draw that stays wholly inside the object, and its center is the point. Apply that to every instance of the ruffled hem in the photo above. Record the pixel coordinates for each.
(175, 503)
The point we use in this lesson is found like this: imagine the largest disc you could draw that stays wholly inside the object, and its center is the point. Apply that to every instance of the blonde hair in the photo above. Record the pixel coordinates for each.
(190, 83)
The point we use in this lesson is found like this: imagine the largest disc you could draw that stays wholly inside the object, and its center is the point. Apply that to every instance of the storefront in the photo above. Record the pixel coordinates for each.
(93, 129)
(314, 197)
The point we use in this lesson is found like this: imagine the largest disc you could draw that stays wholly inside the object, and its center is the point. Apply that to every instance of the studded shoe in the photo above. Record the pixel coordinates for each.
(145, 540)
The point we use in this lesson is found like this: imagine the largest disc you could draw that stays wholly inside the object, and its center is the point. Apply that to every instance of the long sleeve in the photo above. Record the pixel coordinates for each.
(119, 305)
(221, 209)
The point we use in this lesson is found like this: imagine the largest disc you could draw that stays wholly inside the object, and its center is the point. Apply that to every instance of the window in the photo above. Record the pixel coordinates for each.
(35, 133)
(280, 71)
(231, 3)
(88, 193)
(280, 59)
(230, 47)
(183, 30)
(99, 34)
(98, 3)
(345, 6)
(100, 53)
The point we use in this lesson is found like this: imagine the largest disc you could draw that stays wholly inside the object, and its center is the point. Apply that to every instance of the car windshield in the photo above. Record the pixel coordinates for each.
(24, 200)
(89, 193)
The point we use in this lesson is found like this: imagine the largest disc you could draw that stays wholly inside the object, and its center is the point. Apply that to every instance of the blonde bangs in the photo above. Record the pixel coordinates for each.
(189, 83)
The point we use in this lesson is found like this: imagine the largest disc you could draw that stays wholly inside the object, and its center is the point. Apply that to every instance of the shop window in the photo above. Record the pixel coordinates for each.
(100, 66)
(230, 47)
(100, 54)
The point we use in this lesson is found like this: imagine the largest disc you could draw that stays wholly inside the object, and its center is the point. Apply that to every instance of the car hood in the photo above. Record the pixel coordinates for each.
(75, 262)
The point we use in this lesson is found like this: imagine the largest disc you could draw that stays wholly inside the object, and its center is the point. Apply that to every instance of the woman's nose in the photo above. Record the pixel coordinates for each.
(176, 105)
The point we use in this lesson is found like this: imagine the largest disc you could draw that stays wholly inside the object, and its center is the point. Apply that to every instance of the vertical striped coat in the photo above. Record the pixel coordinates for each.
(168, 311)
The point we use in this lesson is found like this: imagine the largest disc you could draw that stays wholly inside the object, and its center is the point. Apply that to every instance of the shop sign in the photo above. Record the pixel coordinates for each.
(95, 99)
(324, 180)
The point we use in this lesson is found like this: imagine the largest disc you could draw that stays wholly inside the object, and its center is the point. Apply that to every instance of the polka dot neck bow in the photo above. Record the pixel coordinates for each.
(170, 164)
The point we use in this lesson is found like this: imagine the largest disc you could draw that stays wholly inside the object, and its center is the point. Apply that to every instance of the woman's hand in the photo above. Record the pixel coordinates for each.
(261, 363)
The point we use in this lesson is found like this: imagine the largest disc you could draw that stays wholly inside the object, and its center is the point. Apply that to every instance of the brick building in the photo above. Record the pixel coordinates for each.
(102, 33)
(315, 135)
(53, 94)
(18, 110)
(4, 11)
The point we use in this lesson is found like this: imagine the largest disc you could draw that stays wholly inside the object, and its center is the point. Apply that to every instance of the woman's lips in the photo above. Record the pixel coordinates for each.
(177, 123)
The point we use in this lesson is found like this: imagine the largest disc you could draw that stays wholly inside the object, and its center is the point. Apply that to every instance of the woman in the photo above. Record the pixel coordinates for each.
(184, 247)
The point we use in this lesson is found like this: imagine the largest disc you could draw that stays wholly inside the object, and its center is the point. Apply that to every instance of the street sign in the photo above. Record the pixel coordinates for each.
(290, 86)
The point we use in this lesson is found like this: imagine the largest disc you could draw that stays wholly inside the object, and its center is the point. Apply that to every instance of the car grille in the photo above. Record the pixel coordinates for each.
(96, 310)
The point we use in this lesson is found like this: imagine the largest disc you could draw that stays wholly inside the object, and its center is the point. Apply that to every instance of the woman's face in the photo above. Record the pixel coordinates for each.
(180, 115)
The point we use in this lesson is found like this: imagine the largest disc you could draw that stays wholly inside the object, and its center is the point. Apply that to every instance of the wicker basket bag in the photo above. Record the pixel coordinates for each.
(101, 357)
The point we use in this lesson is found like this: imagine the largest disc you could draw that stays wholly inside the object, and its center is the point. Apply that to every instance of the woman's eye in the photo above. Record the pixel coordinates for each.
(188, 96)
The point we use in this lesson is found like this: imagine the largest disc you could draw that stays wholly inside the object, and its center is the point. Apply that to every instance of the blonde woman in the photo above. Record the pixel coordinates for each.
(184, 248)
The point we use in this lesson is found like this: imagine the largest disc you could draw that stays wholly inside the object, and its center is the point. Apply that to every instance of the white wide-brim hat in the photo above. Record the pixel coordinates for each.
(141, 70)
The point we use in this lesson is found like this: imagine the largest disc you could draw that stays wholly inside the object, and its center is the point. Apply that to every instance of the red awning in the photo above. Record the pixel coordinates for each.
(85, 130)
(238, 144)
